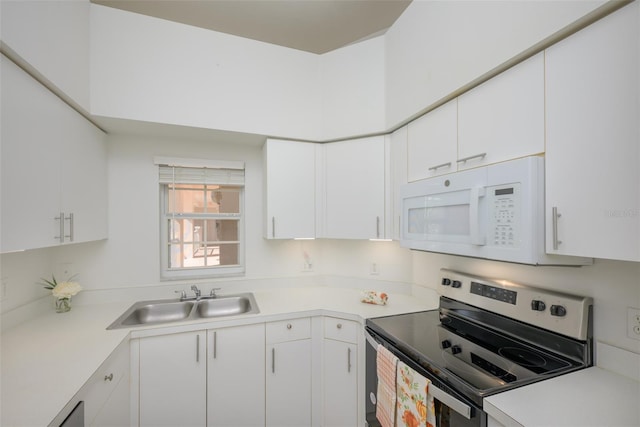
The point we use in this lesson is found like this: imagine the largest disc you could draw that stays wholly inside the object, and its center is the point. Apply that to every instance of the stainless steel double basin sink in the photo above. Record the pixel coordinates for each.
(175, 310)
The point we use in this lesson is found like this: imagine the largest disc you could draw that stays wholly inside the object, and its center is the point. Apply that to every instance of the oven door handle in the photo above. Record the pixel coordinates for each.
(450, 401)
(453, 403)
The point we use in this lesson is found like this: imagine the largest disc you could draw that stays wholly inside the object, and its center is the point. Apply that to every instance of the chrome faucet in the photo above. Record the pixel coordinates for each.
(195, 289)
(213, 293)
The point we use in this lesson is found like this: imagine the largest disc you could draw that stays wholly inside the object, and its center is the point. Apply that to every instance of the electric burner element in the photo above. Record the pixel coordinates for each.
(522, 357)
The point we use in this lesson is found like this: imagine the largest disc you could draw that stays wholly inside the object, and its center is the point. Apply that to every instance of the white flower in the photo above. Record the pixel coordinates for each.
(66, 289)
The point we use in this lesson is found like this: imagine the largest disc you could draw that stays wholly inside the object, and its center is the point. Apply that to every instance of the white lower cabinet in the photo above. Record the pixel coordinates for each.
(106, 395)
(173, 380)
(236, 377)
(340, 373)
(288, 379)
(293, 372)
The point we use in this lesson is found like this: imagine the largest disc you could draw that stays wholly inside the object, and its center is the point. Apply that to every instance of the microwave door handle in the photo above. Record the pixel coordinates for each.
(474, 216)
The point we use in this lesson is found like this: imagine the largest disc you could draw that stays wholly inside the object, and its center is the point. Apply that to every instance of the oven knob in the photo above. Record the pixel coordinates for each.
(558, 310)
(446, 282)
(456, 349)
(456, 284)
(538, 305)
(446, 344)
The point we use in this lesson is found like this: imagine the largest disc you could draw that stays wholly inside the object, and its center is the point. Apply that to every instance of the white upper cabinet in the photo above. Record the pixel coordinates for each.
(503, 118)
(398, 174)
(593, 134)
(290, 189)
(355, 189)
(54, 168)
(432, 143)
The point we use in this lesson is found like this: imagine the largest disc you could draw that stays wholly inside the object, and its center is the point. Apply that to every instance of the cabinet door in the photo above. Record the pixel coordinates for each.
(289, 384)
(398, 153)
(115, 412)
(31, 133)
(432, 143)
(340, 384)
(236, 376)
(290, 189)
(593, 153)
(503, 118)
(84, 182)
(355, 189)
(173, 380)
(53, 161)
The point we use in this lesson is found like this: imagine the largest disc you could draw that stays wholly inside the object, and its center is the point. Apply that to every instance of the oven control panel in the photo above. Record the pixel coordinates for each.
(559, 312)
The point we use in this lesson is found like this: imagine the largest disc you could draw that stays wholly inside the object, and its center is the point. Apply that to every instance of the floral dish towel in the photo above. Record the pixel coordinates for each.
(415, 406)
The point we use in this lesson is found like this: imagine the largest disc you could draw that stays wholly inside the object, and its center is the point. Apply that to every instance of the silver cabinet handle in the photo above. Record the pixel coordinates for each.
(215, 344)
(339, 326)
(109, 377)
(554, 221)
(477, 156)
(289, 326)
(349, 360)
(70, 235)
(273, 360)
(197, 348)
(377, 227)
(60, 218)
(436, 167)
(273, 227)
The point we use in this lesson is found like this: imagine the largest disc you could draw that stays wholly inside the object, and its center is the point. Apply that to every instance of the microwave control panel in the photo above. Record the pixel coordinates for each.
(504, 216)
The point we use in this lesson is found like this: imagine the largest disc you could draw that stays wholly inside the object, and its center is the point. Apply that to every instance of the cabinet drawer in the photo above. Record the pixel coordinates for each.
(102, 384)
(341, 330)
(289, 330)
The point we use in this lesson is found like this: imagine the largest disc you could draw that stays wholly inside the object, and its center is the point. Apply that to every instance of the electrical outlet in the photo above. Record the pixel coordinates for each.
(373, 269)
(307, 267)
(633, 323)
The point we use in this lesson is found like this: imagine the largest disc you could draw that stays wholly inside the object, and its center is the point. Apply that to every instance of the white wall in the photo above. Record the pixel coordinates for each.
(614, 286)
(352, 81)
(21, 273)
(130, 257)
(149, 69)
(53, 37)
(436, 47)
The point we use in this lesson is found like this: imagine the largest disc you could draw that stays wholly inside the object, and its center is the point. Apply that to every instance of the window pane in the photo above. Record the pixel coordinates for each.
(186, 198)
(223, 199)
(190, 198)
(185, 255)
(203, 243)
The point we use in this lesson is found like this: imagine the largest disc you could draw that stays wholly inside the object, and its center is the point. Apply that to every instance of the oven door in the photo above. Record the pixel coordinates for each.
(451, 410)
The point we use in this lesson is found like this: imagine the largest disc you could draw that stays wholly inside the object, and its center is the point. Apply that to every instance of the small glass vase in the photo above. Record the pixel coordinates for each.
(63, 305)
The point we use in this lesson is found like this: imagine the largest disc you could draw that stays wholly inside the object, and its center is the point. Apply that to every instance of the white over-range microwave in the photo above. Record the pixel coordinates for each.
(493, 212)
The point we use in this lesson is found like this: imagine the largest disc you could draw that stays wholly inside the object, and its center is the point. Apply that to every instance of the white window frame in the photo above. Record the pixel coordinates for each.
(167, 273)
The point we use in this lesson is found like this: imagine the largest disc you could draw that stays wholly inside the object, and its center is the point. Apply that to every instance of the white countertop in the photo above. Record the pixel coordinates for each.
(589, 397)
(47, 359)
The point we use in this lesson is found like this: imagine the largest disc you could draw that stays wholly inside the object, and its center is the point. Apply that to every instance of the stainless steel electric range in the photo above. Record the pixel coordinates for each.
(487, 336)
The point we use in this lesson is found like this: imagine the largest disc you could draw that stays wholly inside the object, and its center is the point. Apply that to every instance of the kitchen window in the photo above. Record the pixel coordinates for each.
(201, 218)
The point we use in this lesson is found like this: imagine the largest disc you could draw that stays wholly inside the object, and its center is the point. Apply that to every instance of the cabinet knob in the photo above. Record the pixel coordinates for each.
(109, 377)
(289, 326)
(339, 326)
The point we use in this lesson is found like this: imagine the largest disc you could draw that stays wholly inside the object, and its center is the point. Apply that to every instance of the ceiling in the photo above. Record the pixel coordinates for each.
(316, 26)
